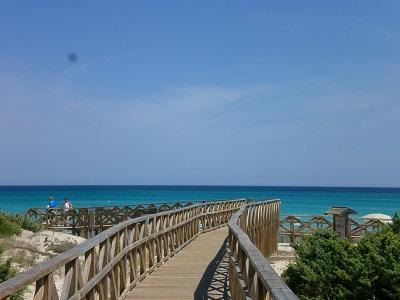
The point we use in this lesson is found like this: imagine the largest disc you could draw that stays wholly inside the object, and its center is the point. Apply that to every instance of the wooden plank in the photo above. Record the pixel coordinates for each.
(182, 274)
(106, 255)
(248, 251)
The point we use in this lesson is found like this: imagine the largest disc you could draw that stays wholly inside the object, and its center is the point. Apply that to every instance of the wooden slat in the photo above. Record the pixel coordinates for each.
(181, 275)
(251, 272)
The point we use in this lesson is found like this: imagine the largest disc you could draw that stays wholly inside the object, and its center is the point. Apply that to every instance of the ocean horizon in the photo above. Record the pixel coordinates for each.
(300, 200)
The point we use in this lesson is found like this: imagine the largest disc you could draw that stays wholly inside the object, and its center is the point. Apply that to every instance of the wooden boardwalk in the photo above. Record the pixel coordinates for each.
(199, 271)
(176, 254)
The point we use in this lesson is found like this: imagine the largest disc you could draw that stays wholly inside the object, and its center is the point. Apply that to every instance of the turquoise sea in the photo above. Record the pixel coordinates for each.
(295, 200)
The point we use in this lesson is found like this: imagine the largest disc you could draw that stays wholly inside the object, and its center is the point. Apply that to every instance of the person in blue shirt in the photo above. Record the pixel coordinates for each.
(52, 203)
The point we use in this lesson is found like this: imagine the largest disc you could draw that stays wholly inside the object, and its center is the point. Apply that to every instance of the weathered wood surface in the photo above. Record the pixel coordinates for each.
(93, 220)
(141, 258)
(293, 228)
(109, 265)
(189, 274)
(253, 232)
(82, 220)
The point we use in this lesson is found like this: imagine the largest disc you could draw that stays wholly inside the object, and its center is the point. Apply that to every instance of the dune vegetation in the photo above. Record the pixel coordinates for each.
(329, 267)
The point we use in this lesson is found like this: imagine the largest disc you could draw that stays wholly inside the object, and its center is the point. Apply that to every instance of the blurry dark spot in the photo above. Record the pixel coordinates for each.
(72, 57)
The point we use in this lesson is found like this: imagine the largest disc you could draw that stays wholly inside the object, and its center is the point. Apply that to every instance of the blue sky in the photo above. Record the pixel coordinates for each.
(205, 92)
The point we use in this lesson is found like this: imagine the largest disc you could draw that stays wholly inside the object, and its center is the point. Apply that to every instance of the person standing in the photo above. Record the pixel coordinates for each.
(66, 208)
(67, 205)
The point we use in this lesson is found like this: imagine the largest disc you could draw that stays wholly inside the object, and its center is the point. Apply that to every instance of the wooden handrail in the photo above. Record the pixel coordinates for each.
(129, 205)
(81, 220)
(109, 265)
(293, 228)
(252, 236)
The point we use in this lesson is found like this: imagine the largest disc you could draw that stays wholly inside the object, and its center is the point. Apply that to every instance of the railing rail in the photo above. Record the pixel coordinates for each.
(109, 265)
(97, 219)
(294, 227)
(253, 232)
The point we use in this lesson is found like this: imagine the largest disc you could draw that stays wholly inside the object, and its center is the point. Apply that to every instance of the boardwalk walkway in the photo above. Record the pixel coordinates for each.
(175, 254)
(199, 271)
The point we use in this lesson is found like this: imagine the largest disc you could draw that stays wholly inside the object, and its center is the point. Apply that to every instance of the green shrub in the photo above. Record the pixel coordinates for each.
(396, 223)
(7, 227)
(380, 255)
(318, 270)
(7, 272)
(23, 221)
(328, 267)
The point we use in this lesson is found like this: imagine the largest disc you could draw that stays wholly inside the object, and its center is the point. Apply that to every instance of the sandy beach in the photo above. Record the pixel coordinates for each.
(29, 249)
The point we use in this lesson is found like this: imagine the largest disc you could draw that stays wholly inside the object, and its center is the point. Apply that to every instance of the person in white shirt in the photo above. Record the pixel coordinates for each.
(66, 207)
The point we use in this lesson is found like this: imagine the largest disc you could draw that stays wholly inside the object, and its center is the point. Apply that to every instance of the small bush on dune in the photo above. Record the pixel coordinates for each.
(396, 223)
(7, 272)
(328, 267)
(12, 224)
(25, 222)
(380, 255)
(7, 227)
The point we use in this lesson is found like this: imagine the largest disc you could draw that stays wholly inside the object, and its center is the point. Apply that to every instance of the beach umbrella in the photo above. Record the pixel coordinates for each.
(381, 217)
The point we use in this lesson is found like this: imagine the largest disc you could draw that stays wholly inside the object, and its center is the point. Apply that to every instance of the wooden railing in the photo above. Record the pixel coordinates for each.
(358, 230)
(294, 227)
(253, 232)
(84, 220)
(109, 265)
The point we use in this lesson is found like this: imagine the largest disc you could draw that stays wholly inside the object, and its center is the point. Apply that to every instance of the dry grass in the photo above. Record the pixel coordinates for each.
(21, 253)
(12, 244)
(23, 258)
(62, 247)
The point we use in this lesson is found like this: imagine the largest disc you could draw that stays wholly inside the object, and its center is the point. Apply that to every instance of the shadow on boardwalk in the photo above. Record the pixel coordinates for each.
(214, 282)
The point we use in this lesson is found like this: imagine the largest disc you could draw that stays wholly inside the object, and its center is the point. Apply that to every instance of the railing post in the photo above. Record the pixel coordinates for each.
(47, 218)
(292, 236)
(243, 221)
(45, 289)
(92, 224)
